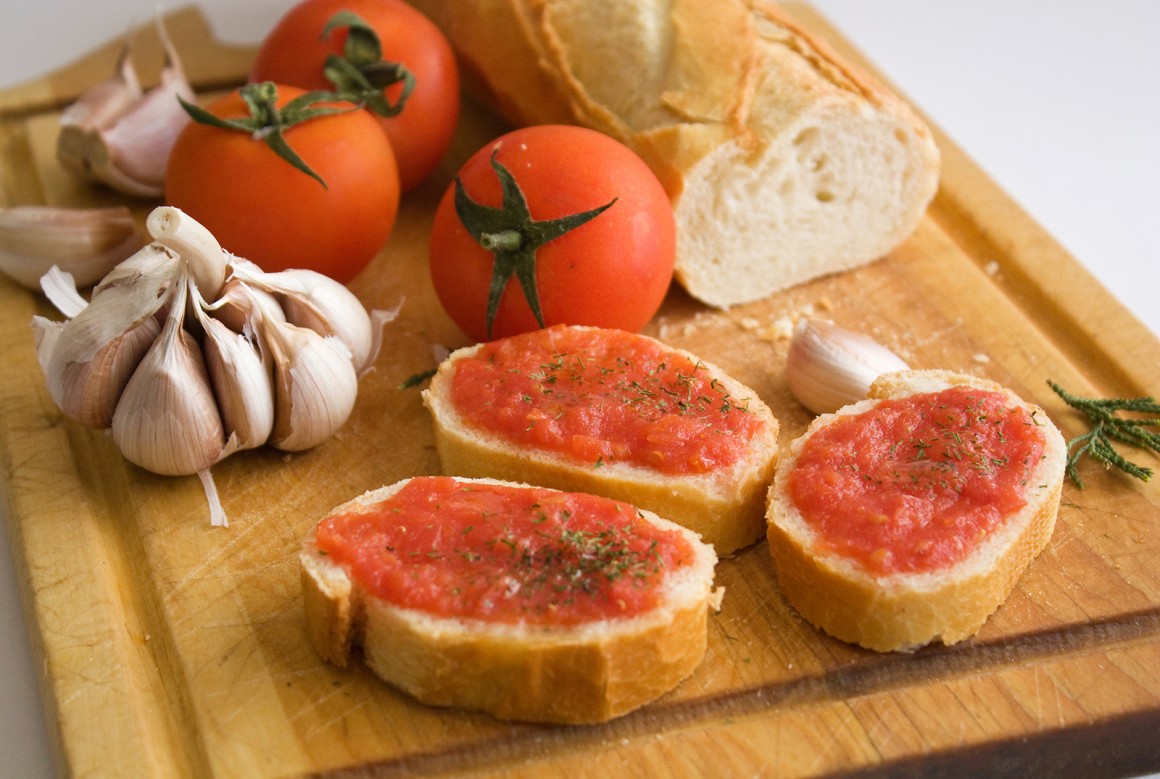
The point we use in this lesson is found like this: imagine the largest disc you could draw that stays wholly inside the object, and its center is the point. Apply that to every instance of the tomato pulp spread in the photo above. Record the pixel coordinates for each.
(603, 396)
(915, 484)
(505, 554)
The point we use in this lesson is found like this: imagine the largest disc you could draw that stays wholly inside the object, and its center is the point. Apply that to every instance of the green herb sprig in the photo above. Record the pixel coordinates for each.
(1106, 427)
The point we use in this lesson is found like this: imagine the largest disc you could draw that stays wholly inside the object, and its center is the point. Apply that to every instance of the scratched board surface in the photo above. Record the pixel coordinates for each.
(168, 647)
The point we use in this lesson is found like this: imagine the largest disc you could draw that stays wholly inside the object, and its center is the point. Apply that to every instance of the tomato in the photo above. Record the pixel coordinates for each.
(263, 209)
(295, 50)
(612, 271)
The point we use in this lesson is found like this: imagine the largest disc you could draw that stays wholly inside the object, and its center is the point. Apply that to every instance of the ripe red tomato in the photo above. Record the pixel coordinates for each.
(295, 50)
(612, 271)
(263, 209)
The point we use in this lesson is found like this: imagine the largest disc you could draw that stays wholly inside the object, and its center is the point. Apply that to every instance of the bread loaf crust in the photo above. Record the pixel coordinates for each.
(726, 508)
(904, 611)
(783, 161)
(571, 675)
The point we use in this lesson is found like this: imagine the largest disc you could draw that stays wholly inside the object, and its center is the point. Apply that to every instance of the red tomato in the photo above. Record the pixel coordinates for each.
(295, 50)
(261, 208)
(612, 271)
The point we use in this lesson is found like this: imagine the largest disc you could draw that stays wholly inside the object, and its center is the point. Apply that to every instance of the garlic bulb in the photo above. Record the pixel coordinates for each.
(84, 242)
(828, 367)
(121, 136)
(188, 354)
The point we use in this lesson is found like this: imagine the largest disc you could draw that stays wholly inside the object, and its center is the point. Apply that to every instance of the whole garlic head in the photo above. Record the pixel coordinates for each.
(189, 354)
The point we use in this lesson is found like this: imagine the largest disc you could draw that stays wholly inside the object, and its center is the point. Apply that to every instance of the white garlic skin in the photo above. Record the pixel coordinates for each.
(828, 367)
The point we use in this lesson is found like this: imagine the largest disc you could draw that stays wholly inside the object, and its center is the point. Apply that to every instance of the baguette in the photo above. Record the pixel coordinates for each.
(901, 609)
(783, 162)
(588, 670)
(724, 504)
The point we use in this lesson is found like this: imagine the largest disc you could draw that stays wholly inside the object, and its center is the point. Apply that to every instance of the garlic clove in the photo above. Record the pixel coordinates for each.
(316, 301)
(101, 104)
(85, 242)
(127, 148)
(97, 350)
(87, 390)
(828, 367)
(167, 419)
(315, 385)
(242, 383)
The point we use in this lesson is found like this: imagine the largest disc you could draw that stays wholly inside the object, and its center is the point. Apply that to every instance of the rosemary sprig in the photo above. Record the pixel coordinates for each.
(1106, 427)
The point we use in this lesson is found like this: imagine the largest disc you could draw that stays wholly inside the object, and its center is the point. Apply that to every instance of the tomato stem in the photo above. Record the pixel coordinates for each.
(505, 240)
(360, 75)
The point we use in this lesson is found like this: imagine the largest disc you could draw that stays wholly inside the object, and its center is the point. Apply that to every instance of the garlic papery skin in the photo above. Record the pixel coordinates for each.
(315, 385)
(828, 367)
(167, 420)
(84, 242)
(239, 304)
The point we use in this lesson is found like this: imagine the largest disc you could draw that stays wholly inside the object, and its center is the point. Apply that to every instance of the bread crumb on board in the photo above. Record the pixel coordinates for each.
(778, 327)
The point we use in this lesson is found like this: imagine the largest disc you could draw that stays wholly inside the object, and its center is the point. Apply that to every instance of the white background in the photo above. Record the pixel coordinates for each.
(1058, 101)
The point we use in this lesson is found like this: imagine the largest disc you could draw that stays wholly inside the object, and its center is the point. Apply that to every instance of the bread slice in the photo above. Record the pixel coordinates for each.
(783, 161)
(725, 506)
(578, 673)
(904, 610)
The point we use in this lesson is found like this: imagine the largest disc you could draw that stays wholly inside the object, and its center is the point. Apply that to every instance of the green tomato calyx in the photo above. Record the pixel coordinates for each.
(361, 74)
(510, 233)
(267, 122)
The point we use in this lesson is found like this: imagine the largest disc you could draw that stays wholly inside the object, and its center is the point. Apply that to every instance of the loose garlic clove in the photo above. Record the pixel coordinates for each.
(828, 367)
(101, 104)
(167, 420)
(315, 385)
(128, 149)
(84, 242)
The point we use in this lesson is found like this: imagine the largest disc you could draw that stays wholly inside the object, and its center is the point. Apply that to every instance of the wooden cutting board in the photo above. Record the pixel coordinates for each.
(167, 647)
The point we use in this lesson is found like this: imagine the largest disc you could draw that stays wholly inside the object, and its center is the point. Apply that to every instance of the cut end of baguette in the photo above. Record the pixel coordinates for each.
(783, 161)
(842, 188)
(906, 611)
(587, 673)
